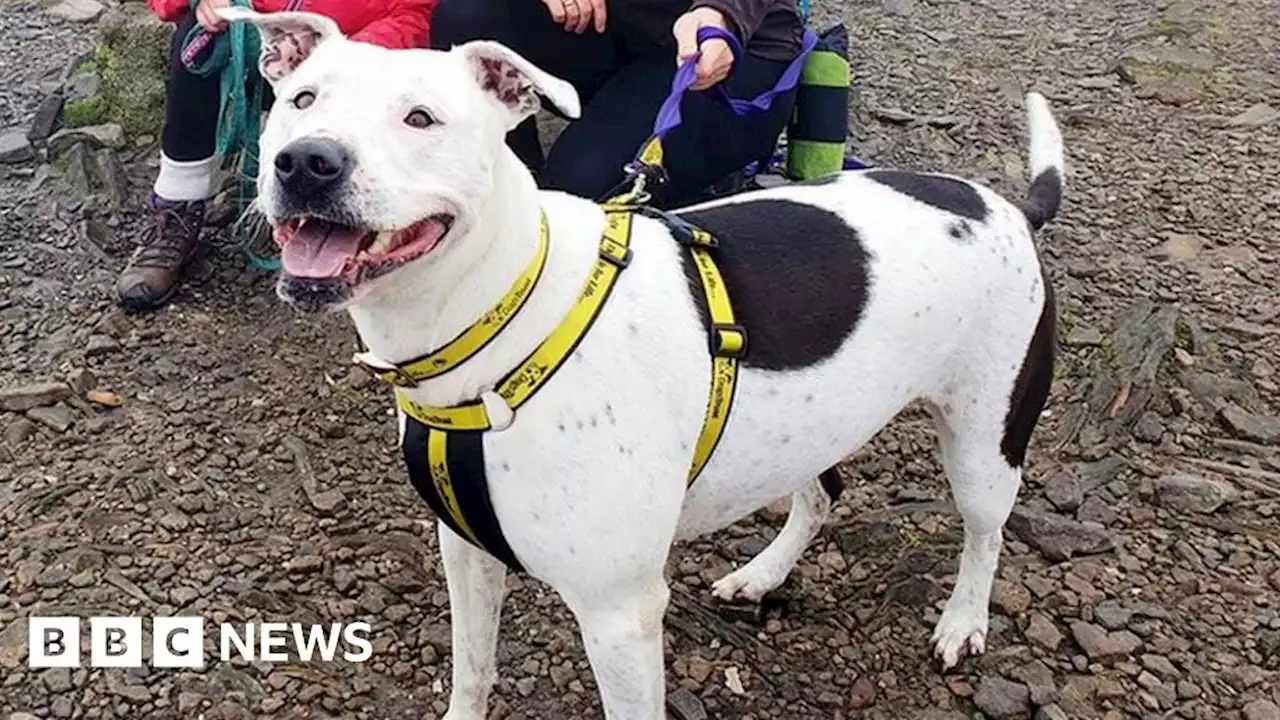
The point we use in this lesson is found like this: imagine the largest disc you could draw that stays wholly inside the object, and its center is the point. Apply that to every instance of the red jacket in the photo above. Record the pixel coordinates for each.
(392, 24)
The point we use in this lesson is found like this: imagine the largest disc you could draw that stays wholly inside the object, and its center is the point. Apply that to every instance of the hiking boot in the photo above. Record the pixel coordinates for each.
(164, 250)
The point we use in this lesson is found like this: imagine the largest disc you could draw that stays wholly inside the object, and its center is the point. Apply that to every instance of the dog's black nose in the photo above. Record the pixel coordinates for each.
(311, 165)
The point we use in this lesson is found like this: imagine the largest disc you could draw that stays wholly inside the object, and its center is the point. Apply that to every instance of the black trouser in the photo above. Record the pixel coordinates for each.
(622, 83)
(191, 103)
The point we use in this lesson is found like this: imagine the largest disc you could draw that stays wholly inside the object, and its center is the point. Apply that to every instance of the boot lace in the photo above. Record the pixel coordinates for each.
(166, 240)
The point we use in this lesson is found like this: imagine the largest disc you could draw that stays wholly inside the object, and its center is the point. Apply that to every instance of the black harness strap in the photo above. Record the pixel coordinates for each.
(464, 453)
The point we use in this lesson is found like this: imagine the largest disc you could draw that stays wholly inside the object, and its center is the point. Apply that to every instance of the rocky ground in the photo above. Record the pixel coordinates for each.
(220, 458)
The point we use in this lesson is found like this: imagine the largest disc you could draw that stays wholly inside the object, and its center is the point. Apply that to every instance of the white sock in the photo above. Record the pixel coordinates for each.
(184, 181)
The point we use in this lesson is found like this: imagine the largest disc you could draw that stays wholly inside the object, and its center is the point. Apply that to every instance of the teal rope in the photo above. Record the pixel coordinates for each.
(239, 112)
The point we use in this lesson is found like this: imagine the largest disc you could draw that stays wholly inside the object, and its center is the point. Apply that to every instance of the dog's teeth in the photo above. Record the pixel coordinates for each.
(382, 243)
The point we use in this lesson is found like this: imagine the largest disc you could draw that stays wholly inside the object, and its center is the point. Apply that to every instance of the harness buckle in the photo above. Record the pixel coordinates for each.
(728, 340)
(615, 253)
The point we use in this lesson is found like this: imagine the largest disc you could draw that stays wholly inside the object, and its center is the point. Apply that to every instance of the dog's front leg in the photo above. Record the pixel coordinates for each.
(477, 587)
(622, 632)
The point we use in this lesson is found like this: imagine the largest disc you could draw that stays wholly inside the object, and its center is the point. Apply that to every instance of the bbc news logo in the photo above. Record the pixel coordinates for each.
(178, 642)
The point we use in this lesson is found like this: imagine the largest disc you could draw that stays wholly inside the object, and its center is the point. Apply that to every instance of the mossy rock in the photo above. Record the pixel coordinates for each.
(1174, 74)
(131, 62)
(85, 112)
(1188, 19)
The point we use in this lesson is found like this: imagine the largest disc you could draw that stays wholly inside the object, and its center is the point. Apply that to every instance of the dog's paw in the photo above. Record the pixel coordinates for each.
(747, 584)
(959, 634)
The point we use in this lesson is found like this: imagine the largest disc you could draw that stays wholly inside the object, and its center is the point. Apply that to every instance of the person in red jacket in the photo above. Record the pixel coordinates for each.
(187, 161)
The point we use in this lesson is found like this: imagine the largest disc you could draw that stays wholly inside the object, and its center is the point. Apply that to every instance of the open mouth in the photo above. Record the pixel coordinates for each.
(317, 249)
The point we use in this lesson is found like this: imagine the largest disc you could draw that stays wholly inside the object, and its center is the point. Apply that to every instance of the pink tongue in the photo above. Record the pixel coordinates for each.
(320, 250)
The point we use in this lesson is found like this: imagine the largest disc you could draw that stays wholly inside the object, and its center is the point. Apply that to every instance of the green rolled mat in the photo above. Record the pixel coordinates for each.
(818, 129)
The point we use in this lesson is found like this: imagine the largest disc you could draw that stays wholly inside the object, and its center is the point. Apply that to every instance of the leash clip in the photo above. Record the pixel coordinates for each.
(639, 180)
(644, 175)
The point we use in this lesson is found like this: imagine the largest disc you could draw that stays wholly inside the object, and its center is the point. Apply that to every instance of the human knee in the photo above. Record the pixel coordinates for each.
(457, 21)
(583, 174)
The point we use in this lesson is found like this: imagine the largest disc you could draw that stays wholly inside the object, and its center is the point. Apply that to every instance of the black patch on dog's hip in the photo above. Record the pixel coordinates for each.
(944, 193)
(1031, 388)
(797, 276)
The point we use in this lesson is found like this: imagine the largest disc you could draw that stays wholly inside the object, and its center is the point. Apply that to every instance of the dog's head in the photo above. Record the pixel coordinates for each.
(372, 159)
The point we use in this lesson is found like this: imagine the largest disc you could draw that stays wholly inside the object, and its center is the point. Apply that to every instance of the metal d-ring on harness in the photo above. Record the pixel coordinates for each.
(444, 446)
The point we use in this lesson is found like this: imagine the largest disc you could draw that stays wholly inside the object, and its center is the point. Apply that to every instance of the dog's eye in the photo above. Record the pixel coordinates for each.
(303, 100)
(419, 119)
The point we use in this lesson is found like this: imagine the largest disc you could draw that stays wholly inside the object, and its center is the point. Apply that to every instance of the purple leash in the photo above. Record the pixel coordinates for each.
(647, 167)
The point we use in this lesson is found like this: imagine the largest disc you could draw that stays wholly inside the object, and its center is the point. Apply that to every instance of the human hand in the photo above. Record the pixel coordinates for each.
(209, 19)
(578, 15)
(717, 57)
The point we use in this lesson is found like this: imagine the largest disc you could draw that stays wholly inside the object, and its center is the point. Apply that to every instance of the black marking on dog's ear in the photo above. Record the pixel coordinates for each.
(505, 82)
(947, 194)
(832, 483)
(286, 43)
(1031, 388)
(798, 277)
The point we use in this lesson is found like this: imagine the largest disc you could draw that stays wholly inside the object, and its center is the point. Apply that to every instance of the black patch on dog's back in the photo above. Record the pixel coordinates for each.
(944, 193)
(797, 276)
(1031, 388)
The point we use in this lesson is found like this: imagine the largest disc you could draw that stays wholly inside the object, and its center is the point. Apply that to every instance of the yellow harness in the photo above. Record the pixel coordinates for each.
(727, 343)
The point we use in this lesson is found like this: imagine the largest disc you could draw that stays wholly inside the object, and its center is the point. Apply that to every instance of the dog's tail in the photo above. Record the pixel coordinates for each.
(1045, 195)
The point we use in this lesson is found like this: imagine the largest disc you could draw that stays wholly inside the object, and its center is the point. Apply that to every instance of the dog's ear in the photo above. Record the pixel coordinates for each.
(288, 38)
(515, 83)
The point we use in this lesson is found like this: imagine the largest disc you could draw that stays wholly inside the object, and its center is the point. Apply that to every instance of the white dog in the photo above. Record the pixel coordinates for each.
(394, 197)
